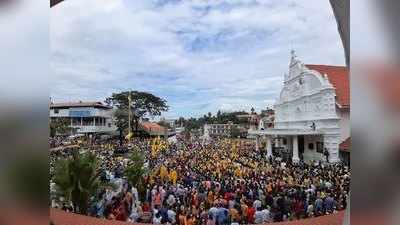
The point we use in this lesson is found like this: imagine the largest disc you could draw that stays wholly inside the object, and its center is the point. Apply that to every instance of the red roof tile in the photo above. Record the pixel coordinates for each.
(339, 77)
(345, 145)
(59, 217)
(152, 127)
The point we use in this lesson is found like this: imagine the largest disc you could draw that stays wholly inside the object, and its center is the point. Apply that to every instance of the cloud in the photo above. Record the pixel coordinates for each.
(200, 56)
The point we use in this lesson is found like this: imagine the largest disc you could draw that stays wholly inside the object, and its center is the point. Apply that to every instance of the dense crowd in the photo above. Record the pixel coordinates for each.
(221, 182)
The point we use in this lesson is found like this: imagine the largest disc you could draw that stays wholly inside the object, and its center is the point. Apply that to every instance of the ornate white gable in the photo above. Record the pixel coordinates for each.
(306, 109)
(306, 95)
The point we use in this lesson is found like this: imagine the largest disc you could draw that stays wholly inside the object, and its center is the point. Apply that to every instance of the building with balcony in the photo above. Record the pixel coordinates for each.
(217, 130)
(85, 117)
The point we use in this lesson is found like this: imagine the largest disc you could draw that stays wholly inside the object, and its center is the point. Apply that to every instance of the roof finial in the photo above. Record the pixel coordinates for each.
(293, 53)
(293, 58)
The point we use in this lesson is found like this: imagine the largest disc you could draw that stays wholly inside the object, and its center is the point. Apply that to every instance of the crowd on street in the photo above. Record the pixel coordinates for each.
(221, 181)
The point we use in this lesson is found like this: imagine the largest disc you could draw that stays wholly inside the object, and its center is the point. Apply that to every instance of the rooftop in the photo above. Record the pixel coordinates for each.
(153, 128)
(345, 145)
(79, 104)
(339, 78)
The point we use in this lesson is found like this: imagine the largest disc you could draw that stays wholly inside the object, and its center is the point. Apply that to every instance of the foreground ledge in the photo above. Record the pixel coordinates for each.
(59, 217)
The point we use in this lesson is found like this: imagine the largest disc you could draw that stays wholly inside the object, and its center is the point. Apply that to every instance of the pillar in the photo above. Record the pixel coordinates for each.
(257, 143)
(331, 143)
(277, 142)
(72, 130)
(295, 148)
(94, 121)
(81, 121)
(269, 146)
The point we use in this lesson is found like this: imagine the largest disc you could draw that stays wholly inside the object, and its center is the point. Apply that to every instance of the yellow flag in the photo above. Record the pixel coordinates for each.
(129, 136)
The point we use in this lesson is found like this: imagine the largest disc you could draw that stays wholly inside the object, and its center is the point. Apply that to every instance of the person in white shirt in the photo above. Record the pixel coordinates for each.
(134, 216)
(266, 216)
(109, 195)
(171, 200)
(157, 218)
(258, 217)
(171, 216)
(213, 212)
(135, 193)
(257, 204)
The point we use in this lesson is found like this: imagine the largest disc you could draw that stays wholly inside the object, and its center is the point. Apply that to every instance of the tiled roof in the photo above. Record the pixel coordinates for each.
(345, 145)
(59, 217)
(78, 104)
(152, 127)
(339, 78)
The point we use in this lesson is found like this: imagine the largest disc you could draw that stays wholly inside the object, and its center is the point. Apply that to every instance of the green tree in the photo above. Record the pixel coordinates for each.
(121, 115)
(78, 178)
(164, 124)
(142, 104)
(219, 114)
(235, 132)
(180, 122)
(192, 124)
(59, 126)
(135, 173)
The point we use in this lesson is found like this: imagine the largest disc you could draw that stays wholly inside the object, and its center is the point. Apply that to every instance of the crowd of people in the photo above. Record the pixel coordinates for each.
(223, 181)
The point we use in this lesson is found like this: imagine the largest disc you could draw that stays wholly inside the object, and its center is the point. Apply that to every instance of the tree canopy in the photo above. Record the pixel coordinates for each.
(218, 118)
(136, 171)
(59, 126)
(143, 105)
(78, 178)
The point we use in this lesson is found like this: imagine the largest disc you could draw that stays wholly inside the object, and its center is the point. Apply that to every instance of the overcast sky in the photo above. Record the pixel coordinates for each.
(199, 55)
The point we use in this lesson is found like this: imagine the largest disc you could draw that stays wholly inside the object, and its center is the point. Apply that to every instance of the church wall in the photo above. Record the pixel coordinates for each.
(344, 124)
(312, 154)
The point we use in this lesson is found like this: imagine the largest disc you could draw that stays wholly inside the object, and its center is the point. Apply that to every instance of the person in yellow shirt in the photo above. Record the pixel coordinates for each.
(163, 172)
(238, 172)
(210, 197)
(173, 176)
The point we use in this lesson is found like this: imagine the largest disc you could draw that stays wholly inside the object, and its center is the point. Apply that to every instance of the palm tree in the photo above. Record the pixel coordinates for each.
(136, 171)
(77, 179)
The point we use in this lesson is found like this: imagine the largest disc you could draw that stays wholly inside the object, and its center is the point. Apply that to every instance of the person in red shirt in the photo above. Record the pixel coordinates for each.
(298, 208)
(228, 196)
(250, 214)
(122, 214)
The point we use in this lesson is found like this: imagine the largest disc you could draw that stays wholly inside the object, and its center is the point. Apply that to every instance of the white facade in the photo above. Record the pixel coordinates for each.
(306, 116)
(85, 119)
(217, 129)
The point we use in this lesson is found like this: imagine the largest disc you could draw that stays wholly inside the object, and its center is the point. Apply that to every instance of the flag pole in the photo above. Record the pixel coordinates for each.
(129, 112)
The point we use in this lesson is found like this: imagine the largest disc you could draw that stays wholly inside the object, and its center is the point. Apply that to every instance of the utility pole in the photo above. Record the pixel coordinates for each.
(129, 111)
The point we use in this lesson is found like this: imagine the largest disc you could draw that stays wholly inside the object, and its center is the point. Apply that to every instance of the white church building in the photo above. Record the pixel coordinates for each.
(312, 115)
